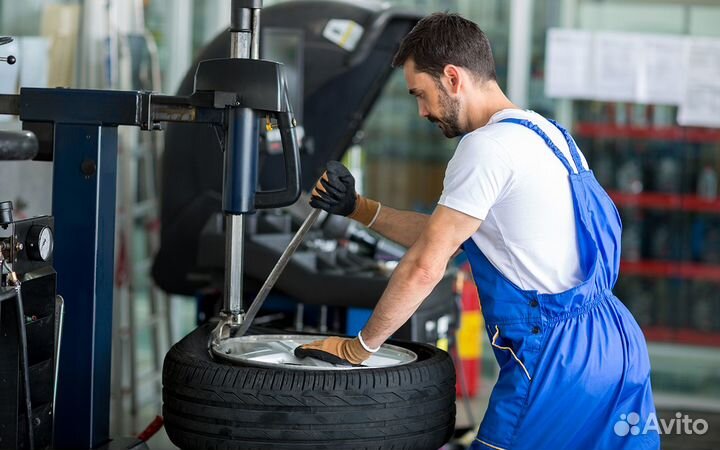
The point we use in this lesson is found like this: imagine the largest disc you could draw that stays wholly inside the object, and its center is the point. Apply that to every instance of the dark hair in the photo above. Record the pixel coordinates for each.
(447, 38)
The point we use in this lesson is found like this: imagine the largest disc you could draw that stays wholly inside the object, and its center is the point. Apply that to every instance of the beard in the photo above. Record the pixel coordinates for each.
(448, 120)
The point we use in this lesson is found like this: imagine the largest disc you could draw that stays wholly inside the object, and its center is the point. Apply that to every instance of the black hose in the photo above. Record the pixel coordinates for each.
(18, 145)
(25, 367)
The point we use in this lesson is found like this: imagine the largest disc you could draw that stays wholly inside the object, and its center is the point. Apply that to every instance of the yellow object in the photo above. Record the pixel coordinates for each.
(442, 344)
(469, 339)
(268, 124)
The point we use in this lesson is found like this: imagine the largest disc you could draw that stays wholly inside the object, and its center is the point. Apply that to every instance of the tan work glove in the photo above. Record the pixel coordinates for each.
(335, 350)
(335, 193)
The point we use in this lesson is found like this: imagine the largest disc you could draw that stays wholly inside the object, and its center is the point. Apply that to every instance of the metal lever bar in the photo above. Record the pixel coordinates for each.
(276, 271)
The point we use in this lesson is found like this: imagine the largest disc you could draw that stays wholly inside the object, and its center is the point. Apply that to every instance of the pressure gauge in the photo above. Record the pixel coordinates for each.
(39, 243)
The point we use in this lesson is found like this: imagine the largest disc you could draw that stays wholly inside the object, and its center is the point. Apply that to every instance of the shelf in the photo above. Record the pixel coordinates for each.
(676, 202)
(671, 269)
(682, 336)
(681, 134)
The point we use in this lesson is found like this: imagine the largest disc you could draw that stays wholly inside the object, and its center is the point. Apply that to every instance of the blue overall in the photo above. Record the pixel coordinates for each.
(573, 365)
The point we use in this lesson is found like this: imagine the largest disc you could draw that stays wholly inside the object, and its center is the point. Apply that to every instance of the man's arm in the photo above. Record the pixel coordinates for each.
(335, 193)
(412, 281)
(403, 227)
(419, 272)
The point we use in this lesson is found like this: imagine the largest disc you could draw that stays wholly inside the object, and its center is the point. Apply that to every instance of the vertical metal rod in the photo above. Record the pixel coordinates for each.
(519, 51)
(242, 45)
(234, 231)
(255, 45)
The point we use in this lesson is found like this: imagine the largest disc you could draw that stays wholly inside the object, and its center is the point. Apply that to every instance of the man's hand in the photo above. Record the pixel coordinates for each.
(335, 350)
(335, 193)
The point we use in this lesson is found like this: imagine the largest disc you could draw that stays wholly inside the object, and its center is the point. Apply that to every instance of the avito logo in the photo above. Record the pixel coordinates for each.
(629, 424)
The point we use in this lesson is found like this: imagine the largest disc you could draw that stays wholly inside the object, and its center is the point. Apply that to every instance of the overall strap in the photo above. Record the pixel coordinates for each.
(550, 143)
(571, 145)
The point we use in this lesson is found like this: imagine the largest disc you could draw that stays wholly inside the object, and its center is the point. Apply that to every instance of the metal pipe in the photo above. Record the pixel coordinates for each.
(241, 15)
(244, 43)
(255, 46)
(519, 51)
(234, 233)
(240, 42)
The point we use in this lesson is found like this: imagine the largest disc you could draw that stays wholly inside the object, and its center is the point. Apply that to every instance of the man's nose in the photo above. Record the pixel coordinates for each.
(422, 110)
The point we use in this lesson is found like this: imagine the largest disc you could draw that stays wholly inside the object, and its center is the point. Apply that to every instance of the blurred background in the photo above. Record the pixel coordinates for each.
(635, 80)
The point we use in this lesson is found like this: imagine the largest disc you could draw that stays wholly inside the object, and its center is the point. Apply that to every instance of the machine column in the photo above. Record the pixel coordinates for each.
(84, 188)
(240, 168)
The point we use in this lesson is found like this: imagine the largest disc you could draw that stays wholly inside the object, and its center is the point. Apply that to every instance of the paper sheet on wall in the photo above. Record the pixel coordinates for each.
(60, 24)
(701, 102)
(661, 71)
(33, 61)
(615, 66)
(9, 74)
(567, 64)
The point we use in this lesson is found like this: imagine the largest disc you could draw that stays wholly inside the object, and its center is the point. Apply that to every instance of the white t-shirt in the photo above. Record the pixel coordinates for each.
(507, 176)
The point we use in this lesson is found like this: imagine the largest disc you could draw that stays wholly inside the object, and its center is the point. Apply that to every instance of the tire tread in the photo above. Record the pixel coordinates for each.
(213, 405)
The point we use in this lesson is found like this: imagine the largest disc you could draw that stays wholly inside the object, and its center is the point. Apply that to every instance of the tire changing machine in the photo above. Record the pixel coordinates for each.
(77, 131)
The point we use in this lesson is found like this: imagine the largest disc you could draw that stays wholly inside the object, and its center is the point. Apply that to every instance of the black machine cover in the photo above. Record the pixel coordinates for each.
(340, 87)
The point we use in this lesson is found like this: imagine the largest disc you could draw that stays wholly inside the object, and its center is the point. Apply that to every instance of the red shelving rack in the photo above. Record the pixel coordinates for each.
(671, 269)
(682, 336)
(672, 203)
(611, 131)
(655, 200)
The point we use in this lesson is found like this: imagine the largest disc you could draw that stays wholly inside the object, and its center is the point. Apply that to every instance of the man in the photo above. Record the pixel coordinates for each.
(543, 240)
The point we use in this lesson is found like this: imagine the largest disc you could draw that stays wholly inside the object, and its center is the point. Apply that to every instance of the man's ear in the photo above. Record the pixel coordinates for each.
(452, 74)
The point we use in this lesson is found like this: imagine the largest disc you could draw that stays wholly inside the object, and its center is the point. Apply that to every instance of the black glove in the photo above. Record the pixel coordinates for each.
(335, 190)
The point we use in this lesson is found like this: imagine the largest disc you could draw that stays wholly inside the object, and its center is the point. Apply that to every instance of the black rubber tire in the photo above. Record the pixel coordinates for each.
(216, 405)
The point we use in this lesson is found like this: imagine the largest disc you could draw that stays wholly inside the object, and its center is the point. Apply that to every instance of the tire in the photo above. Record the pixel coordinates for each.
(214, 405)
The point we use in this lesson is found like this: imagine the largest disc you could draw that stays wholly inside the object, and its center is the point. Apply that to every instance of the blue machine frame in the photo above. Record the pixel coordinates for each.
(78, 132)
(84, 192)
(77, 129)
(84, 180)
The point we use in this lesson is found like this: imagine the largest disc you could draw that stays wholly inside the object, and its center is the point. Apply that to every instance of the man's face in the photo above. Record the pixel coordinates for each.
(434, 101)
